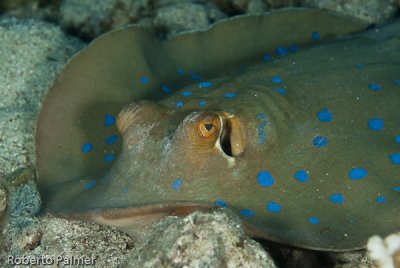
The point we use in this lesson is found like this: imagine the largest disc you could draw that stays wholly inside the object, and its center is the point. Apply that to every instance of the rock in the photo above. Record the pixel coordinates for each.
(3, 201)
(199, 240)
(31, 53)
(351, 259)
(385, 253)
(372, 11)
(89, 20)
(181, 17)
(256, 6)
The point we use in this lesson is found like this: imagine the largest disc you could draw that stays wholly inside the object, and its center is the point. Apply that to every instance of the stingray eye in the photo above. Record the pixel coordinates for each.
(209, 126)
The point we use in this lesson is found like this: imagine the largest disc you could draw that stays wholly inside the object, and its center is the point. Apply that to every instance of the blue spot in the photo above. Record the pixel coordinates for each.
(357, 173)
(261, 116)
(267, 57)
(396, 82)
(395, 158)
(124, 190)
(301, 175)
(89, 185)
(201, 103)
(111, 139)
(265, 179)
(179, 104)
(320, 141)
(204, 84)
(397, 138)
(293, 48)
(397, 189)
(230, 95)
(248, 213)
(273, 207)
(315, 36)
(109, 157)
(281, 51)
(109, 120)
(176, 184)
(374, 86)
(276, 79)
(380, 199)
(337, 199)
(220, 203)
(186, 93)
(375, 124)
(313, 220)
(325, 116)
(360, 65)
(280, 90)
(166, 89)
(144, 80)
(87, 147)
(194, 76)
(180, 71)
(262, 136)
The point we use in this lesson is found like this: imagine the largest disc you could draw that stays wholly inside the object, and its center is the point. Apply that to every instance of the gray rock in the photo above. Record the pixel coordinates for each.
(181, 17)
(31, 53)
(372, 11)
(90, 20)
(199, 240)
(3, 201)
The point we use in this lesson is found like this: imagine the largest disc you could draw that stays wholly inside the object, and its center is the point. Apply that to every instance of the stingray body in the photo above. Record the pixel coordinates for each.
(304, 147)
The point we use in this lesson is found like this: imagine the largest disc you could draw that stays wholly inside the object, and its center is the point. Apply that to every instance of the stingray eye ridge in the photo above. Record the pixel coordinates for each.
(208, 127)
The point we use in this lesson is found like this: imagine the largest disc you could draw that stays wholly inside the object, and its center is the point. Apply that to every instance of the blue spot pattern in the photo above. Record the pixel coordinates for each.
(176, 184)
(396, 82)
(179, 104)
(281, 51)
(180, 71)
(315, 36)
(247, 213)
(375, 124)
(273, 207)
(280, 90)
(87, 147)
(89, 185)
(397, 138)
(186, 93)
(397, 189)
(313, 220)
(109, 120)
(301, 176)
(320, 141)
(265, 179)
(220, 203)
(395, 158)
(111, 139)
(293, 48)
(380, 200)
(124, 190)
(325, 115)
(357, 173)
(166, 89)
(194, 76)
(144, 80)
(262, 135)
(205, 84)
(276, 79)
(202, 103)
(109, 158)
(360, 65)
(230, 95)
(267, 57)
(337, 198)
(374, 86)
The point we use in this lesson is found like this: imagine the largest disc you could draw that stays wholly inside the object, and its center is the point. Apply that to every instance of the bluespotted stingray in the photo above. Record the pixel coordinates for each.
(302, 143)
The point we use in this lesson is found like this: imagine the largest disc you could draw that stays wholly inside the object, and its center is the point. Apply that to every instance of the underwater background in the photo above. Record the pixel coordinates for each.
(37, 39)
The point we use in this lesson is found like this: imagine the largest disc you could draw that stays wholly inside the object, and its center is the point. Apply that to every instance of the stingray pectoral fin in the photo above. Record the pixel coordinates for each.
(132, 220)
